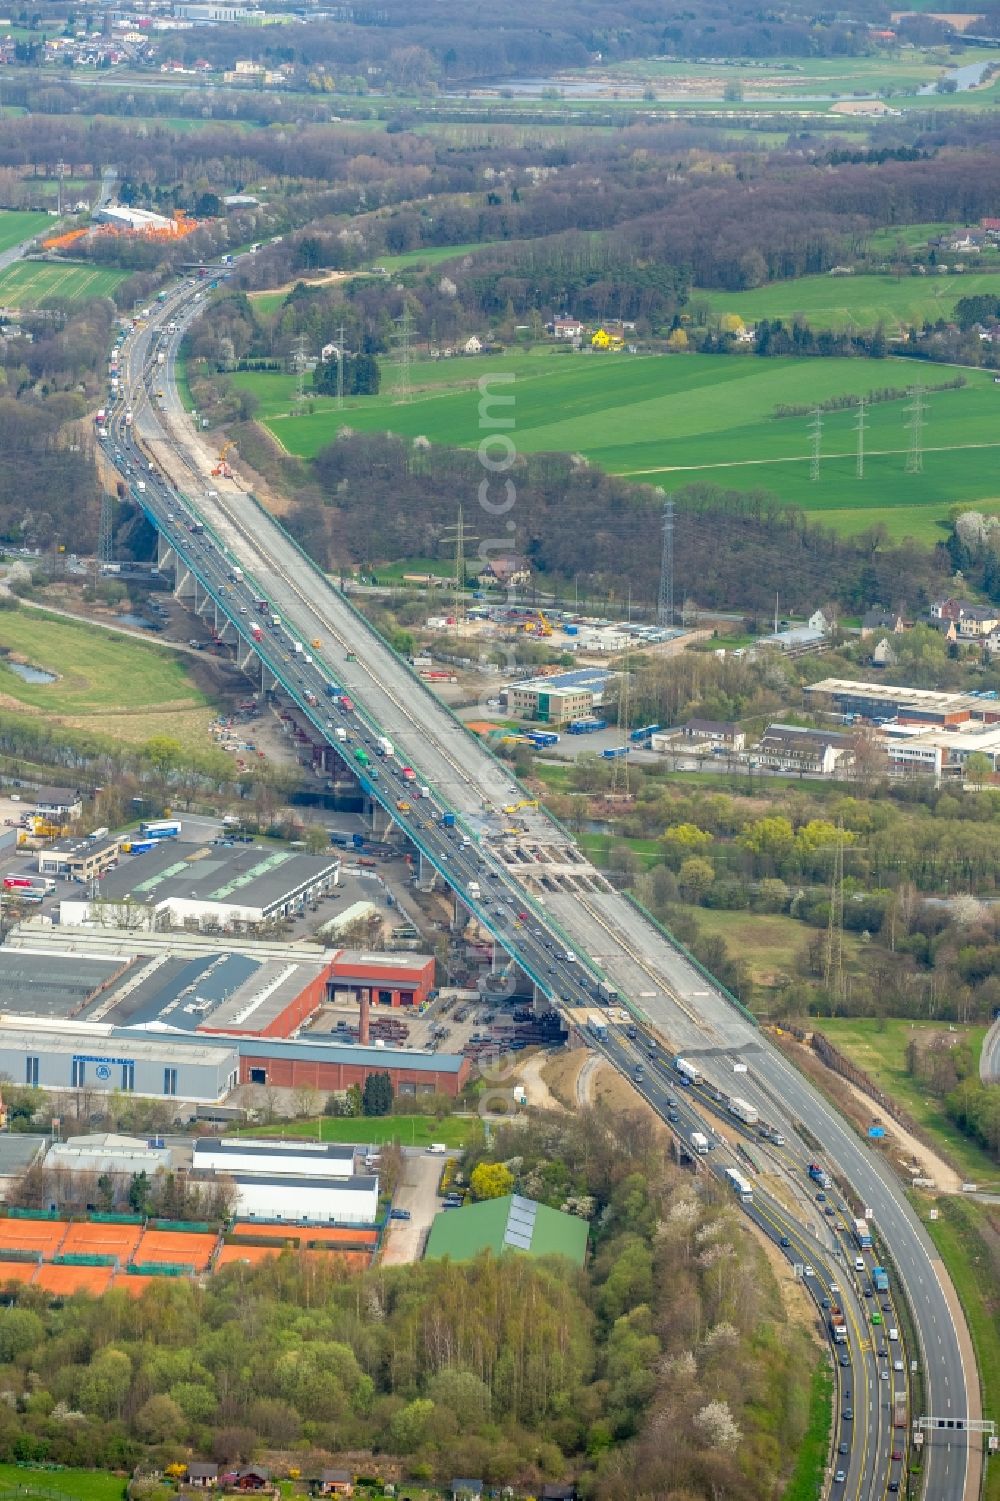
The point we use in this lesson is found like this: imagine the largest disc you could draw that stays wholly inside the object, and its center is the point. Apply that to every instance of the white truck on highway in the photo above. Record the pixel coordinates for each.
(383, 746)
(744, 1111)
(700, 1142)
(598, 1026)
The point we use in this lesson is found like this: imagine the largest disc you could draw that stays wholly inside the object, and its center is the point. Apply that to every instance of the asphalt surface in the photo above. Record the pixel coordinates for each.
(989, 1058)
(566, 940)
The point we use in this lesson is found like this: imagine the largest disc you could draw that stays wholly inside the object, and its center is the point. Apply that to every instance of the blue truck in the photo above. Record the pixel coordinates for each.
(880, 1279)
(588, 726)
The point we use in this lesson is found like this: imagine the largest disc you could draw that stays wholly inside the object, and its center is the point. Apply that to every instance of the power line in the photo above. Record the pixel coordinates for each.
(300, 358)
(105, 537)
(404, 389)
(833, 966)
(340, 370)
(917, 410)
(459, 536)
(619, 766)
(859, 428)
(665, 603)
(816, 430)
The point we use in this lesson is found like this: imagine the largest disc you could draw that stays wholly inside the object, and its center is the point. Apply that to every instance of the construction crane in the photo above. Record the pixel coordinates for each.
(537, 625)
(222, 469)
(529, 802)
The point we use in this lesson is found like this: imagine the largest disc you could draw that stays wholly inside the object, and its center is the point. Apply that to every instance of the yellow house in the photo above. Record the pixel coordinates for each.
(603, 340)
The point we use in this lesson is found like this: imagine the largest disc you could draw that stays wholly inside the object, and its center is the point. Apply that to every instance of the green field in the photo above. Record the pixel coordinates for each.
(370, 1130)
(802, 79)
(81, 1485)
(108, 683)
(881, 1052)
(858, 302)
(17, 225)
(431, 256)
(678, 420)
(30, 283)
(965, 1234)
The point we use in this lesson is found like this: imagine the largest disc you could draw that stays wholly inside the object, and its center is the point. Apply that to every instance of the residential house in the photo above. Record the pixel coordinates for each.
(473, 345)
(791, 747)
(567, 328)
(58, 804)
(334, 1483)
(978, 622)
(604, 340)
(714, 734)
(558, 1493)
(882, 620)
(249, 1478)
(466, 1490)
(202, 1474)
(508, 572)
(883, 654)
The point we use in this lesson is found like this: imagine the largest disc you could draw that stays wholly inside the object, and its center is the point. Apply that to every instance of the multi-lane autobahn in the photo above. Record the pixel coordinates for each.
(532, 889)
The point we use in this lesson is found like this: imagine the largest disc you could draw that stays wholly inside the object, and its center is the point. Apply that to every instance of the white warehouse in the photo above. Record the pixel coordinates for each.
(246, 1156)
(307, 1201)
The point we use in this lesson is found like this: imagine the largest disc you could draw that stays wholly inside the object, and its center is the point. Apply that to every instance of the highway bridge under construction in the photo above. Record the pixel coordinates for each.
(577, 939)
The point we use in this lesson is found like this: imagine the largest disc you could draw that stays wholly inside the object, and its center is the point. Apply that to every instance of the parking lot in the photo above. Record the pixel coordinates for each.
(418, 1197)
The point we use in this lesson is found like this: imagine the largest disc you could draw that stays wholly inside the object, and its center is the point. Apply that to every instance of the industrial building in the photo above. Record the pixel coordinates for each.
(79, 859)
(303, 1182)
(940, 752)
(120, 217)
(307, 1201)
(558, 699)
(226, 889)
(111, 1154)
(178, 1016)
(81, 1057)
(511, 1223)
(383, 979)
(885, 701)
(334, 1066)
(250, 1156)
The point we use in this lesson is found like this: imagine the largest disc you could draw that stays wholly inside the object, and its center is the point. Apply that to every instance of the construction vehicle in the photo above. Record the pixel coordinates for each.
(528, 802)
(222, 469)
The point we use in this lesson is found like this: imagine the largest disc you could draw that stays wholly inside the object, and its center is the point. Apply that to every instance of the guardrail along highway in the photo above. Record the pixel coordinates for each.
(532, 889)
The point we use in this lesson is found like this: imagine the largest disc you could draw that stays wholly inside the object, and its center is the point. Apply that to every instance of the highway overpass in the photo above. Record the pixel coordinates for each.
(533, 891)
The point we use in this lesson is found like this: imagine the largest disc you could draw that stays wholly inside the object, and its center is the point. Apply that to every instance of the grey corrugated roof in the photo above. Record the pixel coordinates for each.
(18, 1151)
(337, 1151)
(282, 1180)
(424, 1063)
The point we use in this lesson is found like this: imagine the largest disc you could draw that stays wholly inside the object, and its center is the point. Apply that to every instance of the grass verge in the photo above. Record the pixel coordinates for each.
(806, 1481)
(880, 1049)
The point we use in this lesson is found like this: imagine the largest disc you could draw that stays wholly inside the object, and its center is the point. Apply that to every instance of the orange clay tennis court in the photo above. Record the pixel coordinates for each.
(137, 1285)
(74, 1279)
(84, 1239)
(328, 1234)
(33, 1235)
(253, 1255)
(17, 1271)
(176, 1248)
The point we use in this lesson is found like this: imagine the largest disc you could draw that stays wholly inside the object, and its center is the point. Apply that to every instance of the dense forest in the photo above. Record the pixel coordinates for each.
(514, 1370)
(414, 46)
(384, 499)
